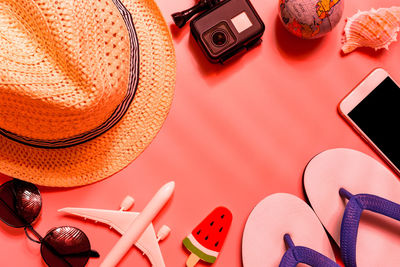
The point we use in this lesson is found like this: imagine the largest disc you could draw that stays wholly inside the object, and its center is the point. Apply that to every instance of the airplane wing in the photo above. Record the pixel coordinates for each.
(120, 221)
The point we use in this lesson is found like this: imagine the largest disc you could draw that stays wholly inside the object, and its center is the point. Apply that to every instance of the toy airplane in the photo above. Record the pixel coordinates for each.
(121, 221)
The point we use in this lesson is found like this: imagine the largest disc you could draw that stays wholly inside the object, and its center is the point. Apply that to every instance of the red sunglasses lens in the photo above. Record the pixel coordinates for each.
(65, 246)
(20, 203)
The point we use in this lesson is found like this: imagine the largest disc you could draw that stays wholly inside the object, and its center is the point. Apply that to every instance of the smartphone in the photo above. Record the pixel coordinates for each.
(372, 109)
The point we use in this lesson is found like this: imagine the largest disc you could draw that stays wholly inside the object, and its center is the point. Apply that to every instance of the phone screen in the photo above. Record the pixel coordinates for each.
(378, 116)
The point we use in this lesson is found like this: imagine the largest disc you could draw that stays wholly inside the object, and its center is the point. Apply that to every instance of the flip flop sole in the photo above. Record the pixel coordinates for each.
(274, 216)
(378, 240)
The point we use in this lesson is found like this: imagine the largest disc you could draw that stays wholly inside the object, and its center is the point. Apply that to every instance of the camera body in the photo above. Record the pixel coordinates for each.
(227, 28)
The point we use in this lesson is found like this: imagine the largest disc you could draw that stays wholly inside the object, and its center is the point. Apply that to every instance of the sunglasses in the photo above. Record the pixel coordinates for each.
(20, 205)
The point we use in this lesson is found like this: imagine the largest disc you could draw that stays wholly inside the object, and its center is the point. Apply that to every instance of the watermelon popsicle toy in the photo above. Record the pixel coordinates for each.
(206, 240)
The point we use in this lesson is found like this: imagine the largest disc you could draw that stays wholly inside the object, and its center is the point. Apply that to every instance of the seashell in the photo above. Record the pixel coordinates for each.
(375, 28)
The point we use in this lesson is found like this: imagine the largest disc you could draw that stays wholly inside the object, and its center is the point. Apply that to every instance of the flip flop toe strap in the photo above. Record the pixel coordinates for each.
(298, 254)
(351, 220)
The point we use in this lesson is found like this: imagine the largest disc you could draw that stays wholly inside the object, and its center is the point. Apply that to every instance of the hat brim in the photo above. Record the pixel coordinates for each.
(112, 151)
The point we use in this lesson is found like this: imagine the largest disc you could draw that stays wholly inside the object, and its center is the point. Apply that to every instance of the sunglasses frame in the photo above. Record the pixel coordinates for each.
(41, 240)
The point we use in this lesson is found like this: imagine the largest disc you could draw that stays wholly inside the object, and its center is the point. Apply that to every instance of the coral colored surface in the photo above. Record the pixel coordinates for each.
(235, 134)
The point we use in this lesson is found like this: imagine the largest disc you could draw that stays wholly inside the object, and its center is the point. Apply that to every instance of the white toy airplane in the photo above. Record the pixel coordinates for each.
(121, 221)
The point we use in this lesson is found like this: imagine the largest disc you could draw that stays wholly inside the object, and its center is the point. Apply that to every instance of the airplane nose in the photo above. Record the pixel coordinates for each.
(169, 186)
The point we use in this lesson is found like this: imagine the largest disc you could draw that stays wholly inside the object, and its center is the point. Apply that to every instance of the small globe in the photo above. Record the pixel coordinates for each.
(310, 18)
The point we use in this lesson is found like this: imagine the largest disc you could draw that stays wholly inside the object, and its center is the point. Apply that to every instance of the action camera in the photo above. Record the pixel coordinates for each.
(224, 29)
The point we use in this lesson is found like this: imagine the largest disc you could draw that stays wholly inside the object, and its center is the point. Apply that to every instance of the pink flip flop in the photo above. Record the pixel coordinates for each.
(275, 216)
(355, 198)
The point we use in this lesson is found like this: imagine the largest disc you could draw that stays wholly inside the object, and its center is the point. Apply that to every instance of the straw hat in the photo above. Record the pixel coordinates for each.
(85, 86)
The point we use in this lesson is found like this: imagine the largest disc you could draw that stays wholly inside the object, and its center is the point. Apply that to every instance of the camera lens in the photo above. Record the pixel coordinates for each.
(219, 38)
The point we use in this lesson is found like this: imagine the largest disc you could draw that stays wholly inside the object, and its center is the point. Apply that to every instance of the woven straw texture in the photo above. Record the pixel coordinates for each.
(54, 68)
(115, 149)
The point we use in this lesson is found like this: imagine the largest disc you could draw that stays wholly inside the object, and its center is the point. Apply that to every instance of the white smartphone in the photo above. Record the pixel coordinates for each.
(372, 108)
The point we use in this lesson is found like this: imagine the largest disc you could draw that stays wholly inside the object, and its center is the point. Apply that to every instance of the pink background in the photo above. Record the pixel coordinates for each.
(235, 134)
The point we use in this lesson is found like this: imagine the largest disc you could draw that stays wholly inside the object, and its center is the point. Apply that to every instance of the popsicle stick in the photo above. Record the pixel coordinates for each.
(192, 260)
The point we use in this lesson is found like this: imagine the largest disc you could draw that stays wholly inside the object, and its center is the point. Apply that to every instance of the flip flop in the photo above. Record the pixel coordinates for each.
(355, 198)
(283, 218)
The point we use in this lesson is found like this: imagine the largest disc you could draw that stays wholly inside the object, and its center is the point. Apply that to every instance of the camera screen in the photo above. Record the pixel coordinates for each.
(241, 22)
(377, 116)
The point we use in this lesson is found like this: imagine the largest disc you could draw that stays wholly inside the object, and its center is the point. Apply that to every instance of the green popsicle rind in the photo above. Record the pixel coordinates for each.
(203, 256)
